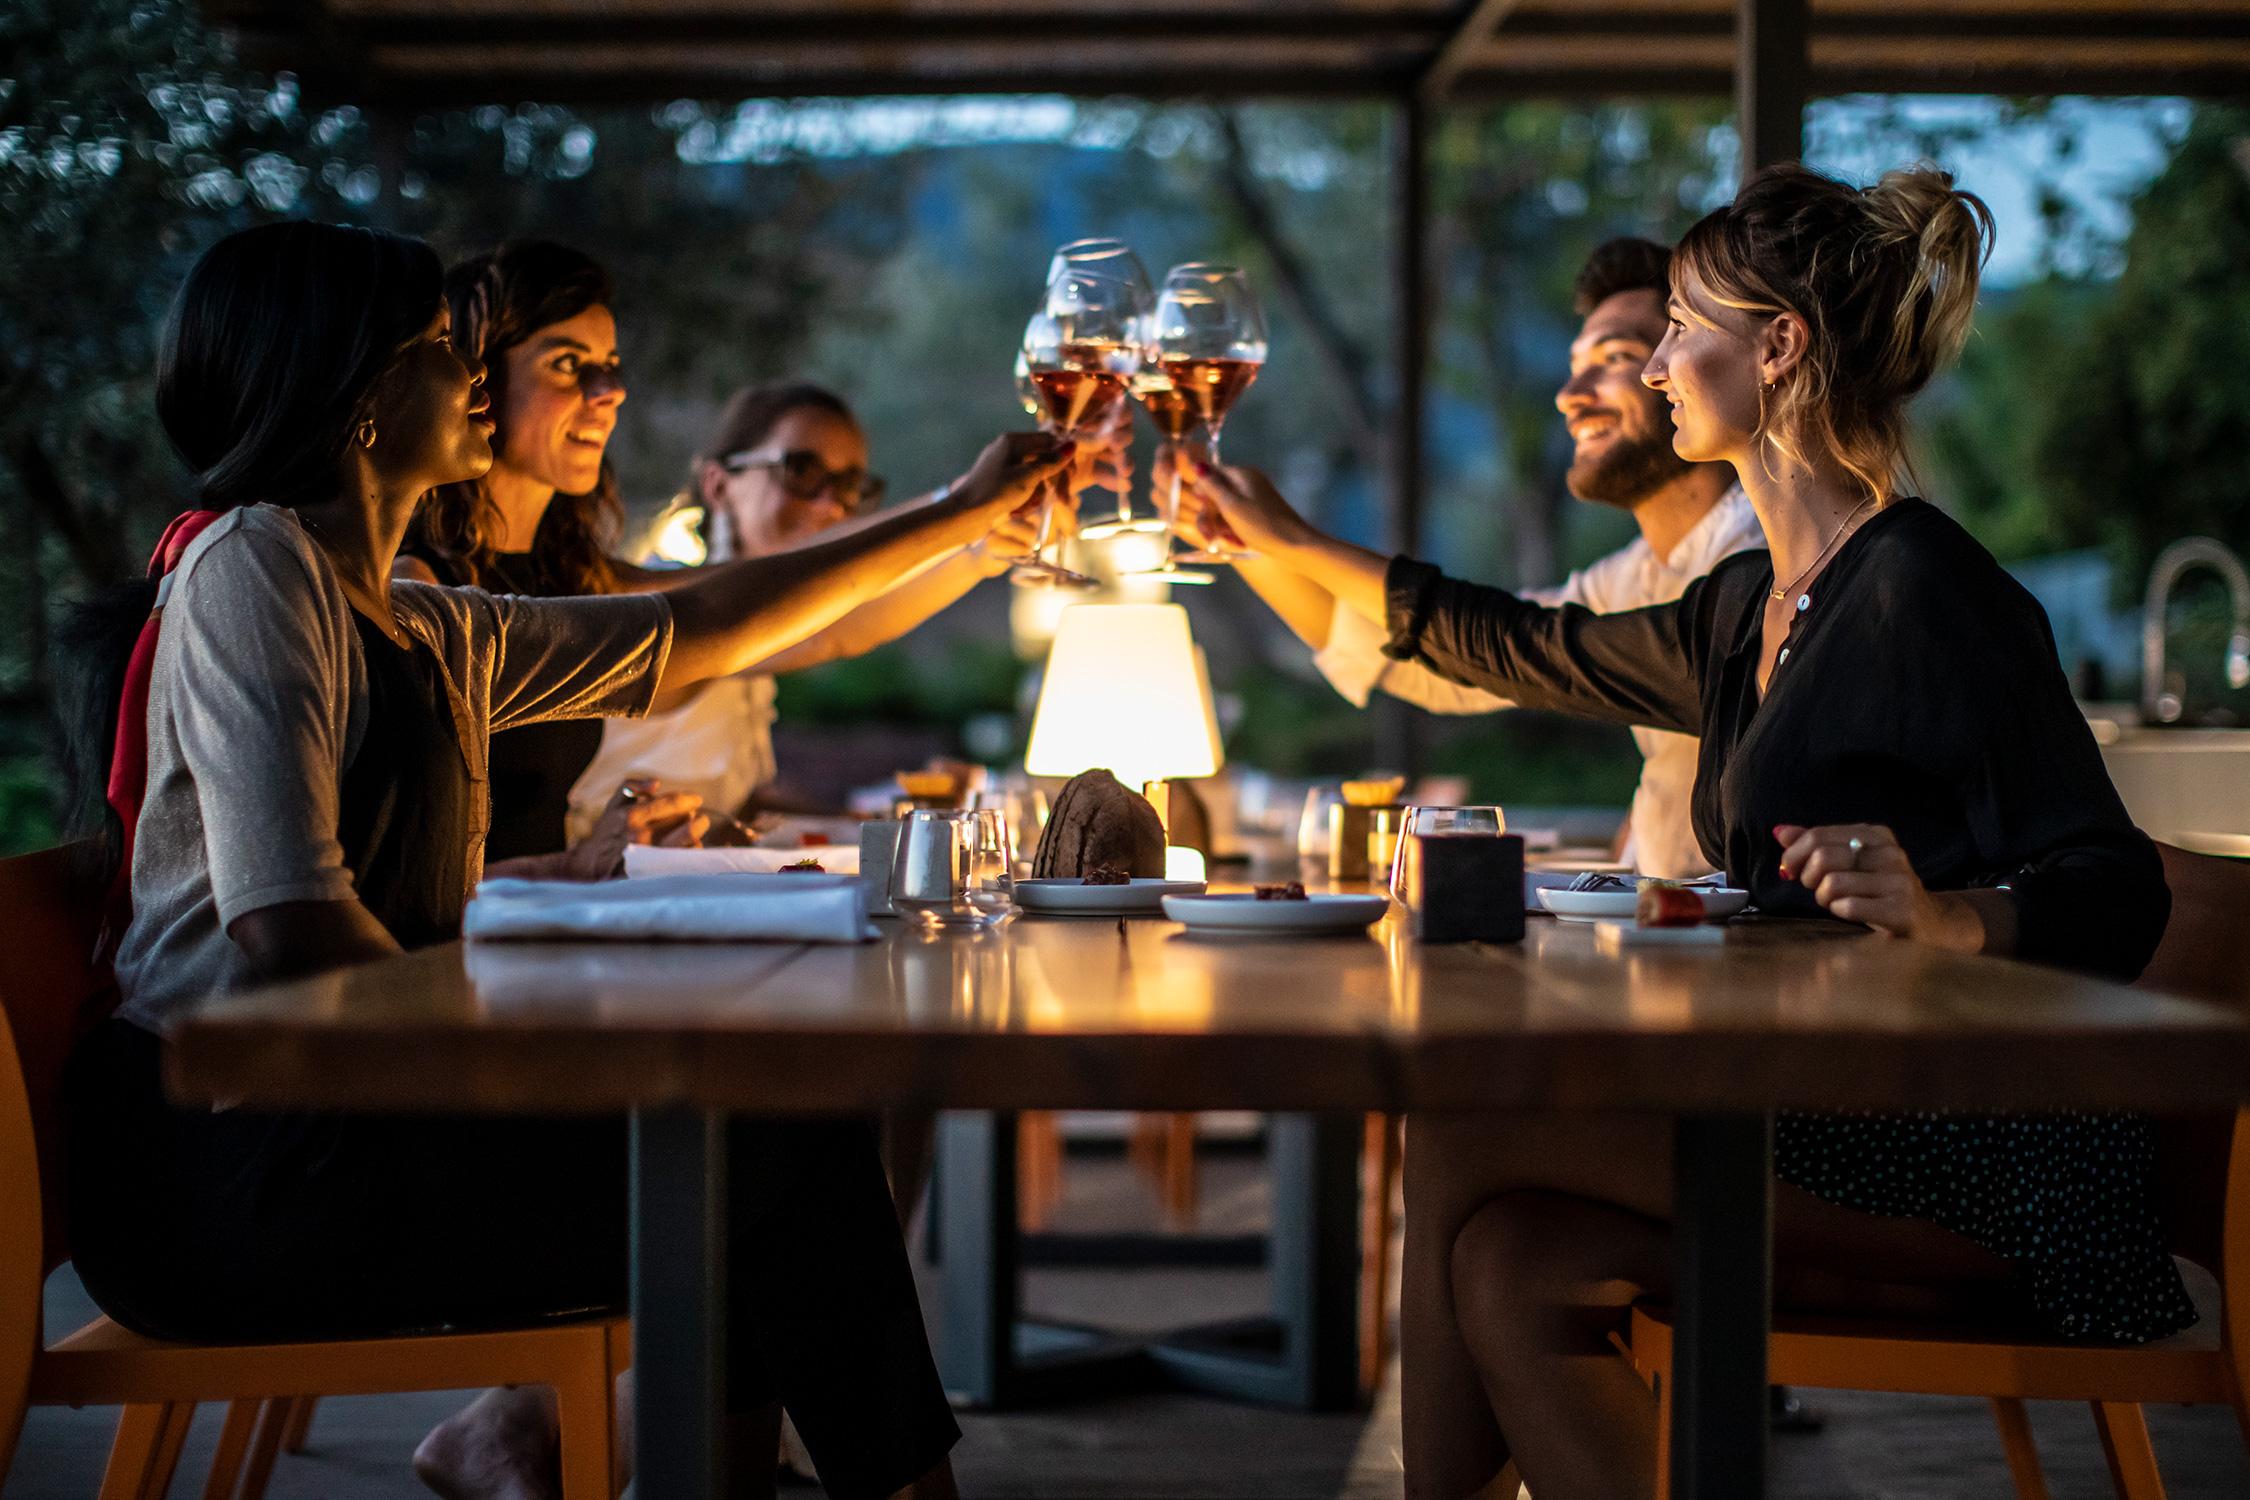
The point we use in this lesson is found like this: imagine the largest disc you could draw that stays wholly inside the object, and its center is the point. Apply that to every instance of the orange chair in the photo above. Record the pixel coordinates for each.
(2205, 955)
(49, 993)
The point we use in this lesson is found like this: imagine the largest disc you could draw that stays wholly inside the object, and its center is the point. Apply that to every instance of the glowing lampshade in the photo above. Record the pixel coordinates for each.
(1125, 688)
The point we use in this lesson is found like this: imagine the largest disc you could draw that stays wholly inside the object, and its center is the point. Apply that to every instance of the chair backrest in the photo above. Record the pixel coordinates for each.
(2205, 955)
(50, 992)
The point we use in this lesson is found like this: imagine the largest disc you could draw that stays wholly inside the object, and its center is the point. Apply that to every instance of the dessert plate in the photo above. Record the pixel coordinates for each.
(1244, 912)
(1070, 896)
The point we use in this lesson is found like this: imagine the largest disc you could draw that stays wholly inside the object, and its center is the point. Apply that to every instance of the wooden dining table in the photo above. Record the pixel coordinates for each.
(1098, 1013)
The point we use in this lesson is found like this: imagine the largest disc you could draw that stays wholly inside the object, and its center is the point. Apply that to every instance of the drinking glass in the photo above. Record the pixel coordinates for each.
(1180, 424)
(1424, 820)
(1024, 807)
(1208, 337)
(1101, 311)
(953, 869)
(1038, 358)
(1105, 257)
(1313, 832)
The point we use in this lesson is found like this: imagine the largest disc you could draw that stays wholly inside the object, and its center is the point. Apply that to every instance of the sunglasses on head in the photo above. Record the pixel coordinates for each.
(803, 476)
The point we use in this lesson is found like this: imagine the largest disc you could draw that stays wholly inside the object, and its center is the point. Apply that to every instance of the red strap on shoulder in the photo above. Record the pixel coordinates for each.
(128, 760)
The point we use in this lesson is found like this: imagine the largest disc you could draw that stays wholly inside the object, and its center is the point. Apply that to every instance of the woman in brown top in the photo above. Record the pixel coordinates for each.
(1888, 739)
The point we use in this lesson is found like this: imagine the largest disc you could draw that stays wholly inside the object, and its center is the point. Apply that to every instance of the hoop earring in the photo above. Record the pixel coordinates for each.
(366, 433)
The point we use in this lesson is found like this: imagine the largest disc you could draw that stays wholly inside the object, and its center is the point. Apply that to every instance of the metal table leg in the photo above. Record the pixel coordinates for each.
(1304, 1354)
(973, 1201)
(679, 1303)
(1724, 1266)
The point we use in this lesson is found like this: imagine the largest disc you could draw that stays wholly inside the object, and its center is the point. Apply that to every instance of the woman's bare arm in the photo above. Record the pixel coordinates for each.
(746, 612)
(306, 937)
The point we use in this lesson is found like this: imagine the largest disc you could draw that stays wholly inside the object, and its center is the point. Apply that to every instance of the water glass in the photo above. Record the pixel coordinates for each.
(1313, 834)
(954, 869)
(1429, 820)
(1024, 807)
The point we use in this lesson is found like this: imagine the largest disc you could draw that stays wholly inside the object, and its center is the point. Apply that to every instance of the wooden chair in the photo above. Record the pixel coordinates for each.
(2206, 1182)
(49, 994)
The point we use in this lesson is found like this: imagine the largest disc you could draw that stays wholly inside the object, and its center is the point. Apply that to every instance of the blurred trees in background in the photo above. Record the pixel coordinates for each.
(893, 250)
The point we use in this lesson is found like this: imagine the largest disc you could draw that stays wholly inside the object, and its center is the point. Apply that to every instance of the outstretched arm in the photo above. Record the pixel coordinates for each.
(1637, 667)
(739, 615)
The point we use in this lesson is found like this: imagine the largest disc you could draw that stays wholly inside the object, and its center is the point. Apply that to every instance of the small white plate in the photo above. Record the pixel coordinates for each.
(1537, 878)
(1719, 903)
(1140, 897)
(1244, 912)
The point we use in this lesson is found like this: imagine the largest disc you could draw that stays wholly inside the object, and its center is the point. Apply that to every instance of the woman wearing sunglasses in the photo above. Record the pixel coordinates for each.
(785, 464)
(542, 520)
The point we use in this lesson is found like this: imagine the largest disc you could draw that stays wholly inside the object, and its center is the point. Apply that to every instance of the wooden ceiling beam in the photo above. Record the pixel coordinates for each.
(1468, 39)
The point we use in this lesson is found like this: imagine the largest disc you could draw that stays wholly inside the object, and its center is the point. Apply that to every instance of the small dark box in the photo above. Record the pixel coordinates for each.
(1465, 888)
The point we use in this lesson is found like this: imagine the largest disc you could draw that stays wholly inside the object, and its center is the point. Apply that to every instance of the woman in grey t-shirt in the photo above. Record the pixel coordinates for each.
(317, 742)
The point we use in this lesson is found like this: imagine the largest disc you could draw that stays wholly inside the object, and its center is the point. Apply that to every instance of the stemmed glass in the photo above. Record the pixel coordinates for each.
(1208, 338)
(1044, 384)
(1180, 423)
(1098, 291)
(1111, 259)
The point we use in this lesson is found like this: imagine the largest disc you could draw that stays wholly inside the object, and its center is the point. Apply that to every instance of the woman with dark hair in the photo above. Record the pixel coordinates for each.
(315, 740)
(784, 463)
(543, 519)
(1887, 738)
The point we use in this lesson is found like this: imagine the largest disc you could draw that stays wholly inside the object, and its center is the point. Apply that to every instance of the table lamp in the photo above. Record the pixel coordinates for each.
(1126, 689)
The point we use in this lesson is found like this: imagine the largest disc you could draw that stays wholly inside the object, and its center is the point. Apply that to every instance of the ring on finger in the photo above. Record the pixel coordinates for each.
(1858, 846)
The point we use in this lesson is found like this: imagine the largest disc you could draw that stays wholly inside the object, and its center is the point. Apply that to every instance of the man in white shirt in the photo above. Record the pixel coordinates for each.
(1690, 516)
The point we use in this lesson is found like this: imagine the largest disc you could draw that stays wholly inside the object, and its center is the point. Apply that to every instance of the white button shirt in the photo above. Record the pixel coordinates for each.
(1633, 577)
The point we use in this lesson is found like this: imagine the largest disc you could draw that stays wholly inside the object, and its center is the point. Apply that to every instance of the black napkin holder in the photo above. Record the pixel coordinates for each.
(1465, 888)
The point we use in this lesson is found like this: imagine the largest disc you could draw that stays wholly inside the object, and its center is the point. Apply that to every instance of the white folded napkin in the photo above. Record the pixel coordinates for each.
(718, 908)
(649, 859)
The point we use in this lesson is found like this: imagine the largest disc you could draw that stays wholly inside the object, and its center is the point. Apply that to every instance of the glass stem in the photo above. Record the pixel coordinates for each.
(1171, 563)
(1046, 522)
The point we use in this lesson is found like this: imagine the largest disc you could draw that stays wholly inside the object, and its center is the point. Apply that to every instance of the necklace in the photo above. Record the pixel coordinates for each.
(1836, 536)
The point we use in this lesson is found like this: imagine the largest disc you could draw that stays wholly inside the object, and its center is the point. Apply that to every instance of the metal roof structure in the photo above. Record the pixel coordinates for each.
(435, 51)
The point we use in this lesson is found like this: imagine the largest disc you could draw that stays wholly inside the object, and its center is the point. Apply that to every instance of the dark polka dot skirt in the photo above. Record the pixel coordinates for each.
(2067, 1199)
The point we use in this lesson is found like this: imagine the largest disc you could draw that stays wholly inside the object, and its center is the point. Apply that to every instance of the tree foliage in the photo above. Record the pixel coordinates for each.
(2141, 424)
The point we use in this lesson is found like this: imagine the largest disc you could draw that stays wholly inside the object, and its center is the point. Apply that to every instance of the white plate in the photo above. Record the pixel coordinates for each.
(1719, 902)
(1141, 897)
(1244, 912)
(1537, 878)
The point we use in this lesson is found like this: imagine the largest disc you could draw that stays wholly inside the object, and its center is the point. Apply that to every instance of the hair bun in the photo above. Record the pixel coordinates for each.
(1948, 233)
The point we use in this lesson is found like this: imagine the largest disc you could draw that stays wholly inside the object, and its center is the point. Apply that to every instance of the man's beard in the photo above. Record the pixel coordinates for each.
(1628, 471)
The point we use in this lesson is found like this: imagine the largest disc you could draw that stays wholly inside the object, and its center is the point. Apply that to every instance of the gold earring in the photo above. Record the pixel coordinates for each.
(367, 433)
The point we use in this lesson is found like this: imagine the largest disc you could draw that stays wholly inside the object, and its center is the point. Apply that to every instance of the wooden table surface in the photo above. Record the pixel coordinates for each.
(1093, 1013)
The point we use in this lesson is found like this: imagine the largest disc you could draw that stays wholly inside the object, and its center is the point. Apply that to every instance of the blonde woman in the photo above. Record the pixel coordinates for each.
(1887, 738)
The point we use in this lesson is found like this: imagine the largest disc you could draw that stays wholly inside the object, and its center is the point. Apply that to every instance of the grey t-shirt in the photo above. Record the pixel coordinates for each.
(258, 702)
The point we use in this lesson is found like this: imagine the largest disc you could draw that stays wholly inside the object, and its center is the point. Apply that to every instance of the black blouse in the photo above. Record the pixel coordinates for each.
(1918, 689)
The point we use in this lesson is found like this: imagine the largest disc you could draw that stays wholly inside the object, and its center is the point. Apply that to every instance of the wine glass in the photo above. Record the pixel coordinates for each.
(1110, 259)
(1041, 368)
(1180, 423)
(1097, 291)
(1209, 338)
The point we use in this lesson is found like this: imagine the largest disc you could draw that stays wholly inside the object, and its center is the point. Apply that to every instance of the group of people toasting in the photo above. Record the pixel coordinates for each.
(380, 639)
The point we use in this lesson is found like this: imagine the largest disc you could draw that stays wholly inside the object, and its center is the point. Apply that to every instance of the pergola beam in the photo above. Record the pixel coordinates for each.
(1771, 80)
(1462, 47)
(434, 52)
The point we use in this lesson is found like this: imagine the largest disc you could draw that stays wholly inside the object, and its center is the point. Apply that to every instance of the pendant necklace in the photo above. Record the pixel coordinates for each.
(1804, 601)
